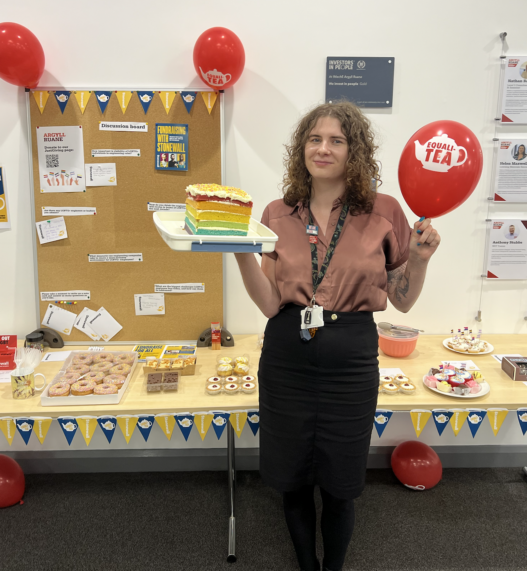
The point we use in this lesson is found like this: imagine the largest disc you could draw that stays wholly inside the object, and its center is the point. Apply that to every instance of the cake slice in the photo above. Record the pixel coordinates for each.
(214, 210)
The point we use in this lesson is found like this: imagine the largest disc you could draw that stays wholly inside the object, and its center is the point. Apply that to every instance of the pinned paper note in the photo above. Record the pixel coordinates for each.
(104, 324)
(69, 295)
(180, 288)
(40, 427)
(51, 230)
(116, 152)
(82, 323)
(82, 98)
(41, 98)
(123, 97)
(129, 126)
(149, 304)
(419, 419)
(101, 174)
(458, 419)
(68, 211)
(166, 206)
(115, 257)
(59, 319)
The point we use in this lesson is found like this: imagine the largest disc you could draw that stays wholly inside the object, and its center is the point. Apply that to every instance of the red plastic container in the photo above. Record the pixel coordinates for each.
(397, 346)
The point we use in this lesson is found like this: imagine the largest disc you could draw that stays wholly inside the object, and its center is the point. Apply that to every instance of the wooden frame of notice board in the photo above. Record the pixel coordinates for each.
(123, 223)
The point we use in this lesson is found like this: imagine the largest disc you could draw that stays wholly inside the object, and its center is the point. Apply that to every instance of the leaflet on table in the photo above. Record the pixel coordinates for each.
(507, 251)
(145, 351)
(514, 90)
(61, 159)
(390, 372)
(104, 324)
(174, 351)
(82, 323)
(149, 303)
(101, 174)
(171, 147)
(467, 365)
(59, 319)
(68, 211)
(56, 356)
(510, 184)
(51, 230)
(5, 221)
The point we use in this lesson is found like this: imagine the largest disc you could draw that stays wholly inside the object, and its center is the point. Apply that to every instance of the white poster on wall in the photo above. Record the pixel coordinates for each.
(507, 253)
(514, 91)
(510, 184)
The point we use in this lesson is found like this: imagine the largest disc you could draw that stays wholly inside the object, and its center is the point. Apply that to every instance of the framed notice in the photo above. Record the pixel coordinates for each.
(514, 91)
(507, 253)
(510, 183)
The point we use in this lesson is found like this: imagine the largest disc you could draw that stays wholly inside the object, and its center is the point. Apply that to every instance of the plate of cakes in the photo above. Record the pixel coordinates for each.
(466, 343)
(394, 381)
(454, 382)
(215, 215)
(91, 378)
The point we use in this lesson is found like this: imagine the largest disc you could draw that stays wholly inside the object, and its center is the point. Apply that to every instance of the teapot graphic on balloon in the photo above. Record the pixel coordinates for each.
(216, 77)
(440, 154)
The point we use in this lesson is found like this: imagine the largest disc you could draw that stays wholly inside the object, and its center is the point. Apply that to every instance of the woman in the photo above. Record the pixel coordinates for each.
(520, 155)
(319, 384)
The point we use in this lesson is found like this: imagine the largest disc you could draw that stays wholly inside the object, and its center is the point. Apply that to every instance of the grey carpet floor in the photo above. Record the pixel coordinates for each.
(473, 520)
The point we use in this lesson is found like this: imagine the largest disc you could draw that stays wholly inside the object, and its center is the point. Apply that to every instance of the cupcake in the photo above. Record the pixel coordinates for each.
(232, 388)
(390, 388)
(407, 388)
(213, 389)
(399, 379)
(248, 387)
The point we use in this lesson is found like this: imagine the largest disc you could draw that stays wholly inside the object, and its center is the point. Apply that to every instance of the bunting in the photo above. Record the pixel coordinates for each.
(123, 97)
(82, 98)
(188, 97)
(202, 421)
(62, 98)
(87, 426)
(25, 427)
(145, 423)
(441, 419)
(219, 422)
(108, 425)
(127, 425)
(238, 419)
(69, 427)
(253, 419)
(475, 418)
(103, 98)
(496, 417)
(145, 98)
(185, 421)
(8, 427)
(522, 419)
(210, 98)
(458, 419)
(167, 98)
(41, 98)
(41, 426)
(381, 420)
(419, 419)
(167, 423)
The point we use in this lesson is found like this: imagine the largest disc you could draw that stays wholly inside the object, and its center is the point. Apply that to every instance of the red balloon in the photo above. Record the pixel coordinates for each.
(416, 465)
(440, 167)
(21, 55)
(12, 482)
(219, 58)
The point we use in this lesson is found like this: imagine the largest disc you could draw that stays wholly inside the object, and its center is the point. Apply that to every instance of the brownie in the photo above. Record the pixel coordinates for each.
(171, 377)
(154, 378)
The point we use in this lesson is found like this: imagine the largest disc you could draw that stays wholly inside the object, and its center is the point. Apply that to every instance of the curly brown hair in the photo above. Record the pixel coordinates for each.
(361, 166)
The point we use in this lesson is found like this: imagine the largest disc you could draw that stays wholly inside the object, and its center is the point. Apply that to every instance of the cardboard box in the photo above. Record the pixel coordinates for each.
(515, 367)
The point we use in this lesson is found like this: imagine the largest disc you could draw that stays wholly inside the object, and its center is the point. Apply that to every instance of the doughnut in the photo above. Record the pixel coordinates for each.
(103, 358)
(231, 388)
(122, 369)
(94, 376)
(127, 358)
(80, 369)
(248, 379)
(241, 369)
(82, 359)
(105, 389)
(231, 380)
(224, 370)
(101, 367)
(59, 390)
(214, 389)
(248, 388)
(70, 378)
(117, 380)
(81, 388)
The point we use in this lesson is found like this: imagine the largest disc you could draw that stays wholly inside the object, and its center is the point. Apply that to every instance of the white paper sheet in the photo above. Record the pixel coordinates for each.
(179, 288)
(82, 323)
(499, 358)
(68, 211)
(105, 325)
(149, 304)
(5, 376)
(51, 230)
(101, 174)
(56, 356)
(59, 319)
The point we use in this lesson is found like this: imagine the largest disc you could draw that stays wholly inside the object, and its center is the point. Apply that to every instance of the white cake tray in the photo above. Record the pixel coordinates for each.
(171, 227)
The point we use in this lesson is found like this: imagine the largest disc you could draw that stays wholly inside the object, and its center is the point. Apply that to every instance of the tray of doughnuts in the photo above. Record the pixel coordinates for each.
(88, 377)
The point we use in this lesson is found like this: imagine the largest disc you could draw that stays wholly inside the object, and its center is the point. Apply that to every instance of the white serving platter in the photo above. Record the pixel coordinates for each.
(171, 227)
(70, 400)
(445, 344)
(485, 390)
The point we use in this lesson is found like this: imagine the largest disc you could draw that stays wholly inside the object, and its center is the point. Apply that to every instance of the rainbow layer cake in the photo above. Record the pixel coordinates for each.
(214, 210)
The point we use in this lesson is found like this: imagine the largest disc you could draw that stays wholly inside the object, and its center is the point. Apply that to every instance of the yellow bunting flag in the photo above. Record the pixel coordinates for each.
(496, 417)
(41, 427)
(87, 426)
(419, 419)
(167, 423)
(202, 421)
(8, 427)
(41, 97)
(124, 98)
(457, 419)
(127, 424)
(238, 420)
(167, 97)
(210, 98)
(82, 98)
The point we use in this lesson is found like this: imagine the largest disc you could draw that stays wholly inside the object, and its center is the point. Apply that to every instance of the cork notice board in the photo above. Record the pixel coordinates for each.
(123, 223)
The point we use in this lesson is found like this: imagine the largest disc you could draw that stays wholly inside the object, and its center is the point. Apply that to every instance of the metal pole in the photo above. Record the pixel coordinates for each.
(231, 469)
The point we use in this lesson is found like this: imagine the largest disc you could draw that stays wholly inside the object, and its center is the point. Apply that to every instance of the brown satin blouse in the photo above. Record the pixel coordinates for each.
(369, 246)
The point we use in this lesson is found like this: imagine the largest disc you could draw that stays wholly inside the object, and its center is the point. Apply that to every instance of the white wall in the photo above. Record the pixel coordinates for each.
(446, 68)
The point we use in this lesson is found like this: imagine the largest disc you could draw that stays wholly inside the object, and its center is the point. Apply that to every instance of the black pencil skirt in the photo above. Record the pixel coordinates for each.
(317, 402)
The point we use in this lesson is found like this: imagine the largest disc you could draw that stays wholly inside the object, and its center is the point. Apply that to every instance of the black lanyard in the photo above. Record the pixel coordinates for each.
(318, 276)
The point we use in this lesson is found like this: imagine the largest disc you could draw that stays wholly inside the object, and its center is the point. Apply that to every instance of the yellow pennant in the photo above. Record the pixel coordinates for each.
(82, 98)
(496, 417)
(419, 419)
(202, 421)
(210, 98)
(238, 420)
(41, 97)
(127, 425)
(167, 97)
(87, 426)
(167, 423)
(124, 98)
(8, 427)
(458, 419)
(41, 427)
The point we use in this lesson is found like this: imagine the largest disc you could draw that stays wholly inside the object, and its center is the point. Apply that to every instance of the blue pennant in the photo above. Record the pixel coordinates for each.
(253, 418)
(522, 419)
(188, 98)
(185, 422)
(103, 98)
(25, 428)
(145, 423)
(108, 425)
(62, 98)
(441, 418)
(69, 427)
(220, 421)
(145, 97)
(381, 420)
(474, 419)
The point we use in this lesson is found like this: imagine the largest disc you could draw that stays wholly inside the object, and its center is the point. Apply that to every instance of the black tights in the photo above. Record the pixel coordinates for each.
(338, 519)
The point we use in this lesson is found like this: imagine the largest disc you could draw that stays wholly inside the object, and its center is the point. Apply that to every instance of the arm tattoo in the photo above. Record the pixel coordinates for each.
(398, 283)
